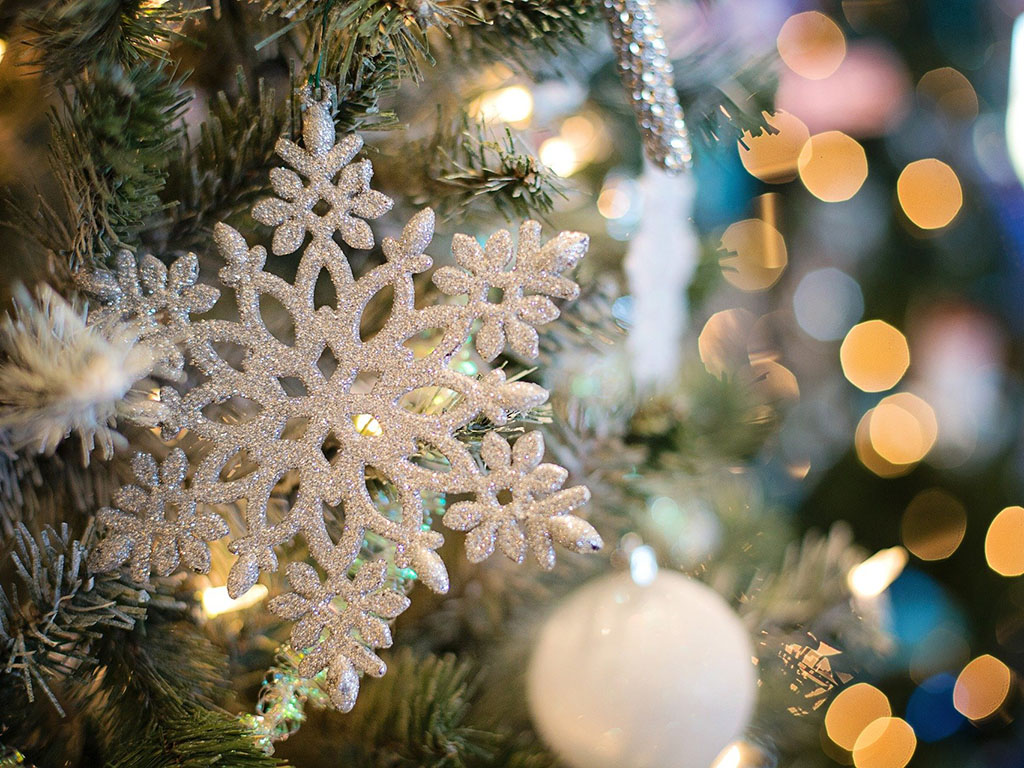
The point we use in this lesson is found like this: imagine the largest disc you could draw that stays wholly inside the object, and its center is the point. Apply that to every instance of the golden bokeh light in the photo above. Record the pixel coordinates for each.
(888, 742)
(903, 428)
(852, 711)
(1004, 542)
(833, 166)
(772, 157)
(512, 105)
(929, 193)
(366, 424)
(773, 381)
(3, 48)
(560, 156)
(756, 256)
(933, 525)
(216, 600)
(874, 356)
(812, 45)
(613, 202)
(872, 577)
(722, 343)
(867, 455)
(982, 687)
(951, 91)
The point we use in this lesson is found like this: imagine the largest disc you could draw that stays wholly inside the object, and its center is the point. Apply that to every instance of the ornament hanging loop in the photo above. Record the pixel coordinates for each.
(318, 132)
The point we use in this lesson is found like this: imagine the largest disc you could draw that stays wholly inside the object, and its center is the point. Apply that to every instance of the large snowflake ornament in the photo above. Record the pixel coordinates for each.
(330, 431)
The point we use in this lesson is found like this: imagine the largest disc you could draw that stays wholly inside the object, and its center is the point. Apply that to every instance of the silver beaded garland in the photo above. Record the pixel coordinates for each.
(646, 71)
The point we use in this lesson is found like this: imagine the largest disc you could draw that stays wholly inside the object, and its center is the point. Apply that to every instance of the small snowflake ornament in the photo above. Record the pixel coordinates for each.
(280, 415)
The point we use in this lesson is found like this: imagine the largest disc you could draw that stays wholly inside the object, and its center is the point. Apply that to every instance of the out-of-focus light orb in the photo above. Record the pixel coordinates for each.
(586, 135)
(366, 424)
(730, 757)
(929, 193)
(560, 156)
(868, 456)
(757, 255)
(867, 96)
(614, 202)
(903, 428)
(812, 45)
(772, 157)
(579, 130)
(722, 343)
(852, 711)
(930, 709)
(643, 565)
(950, 91)
(3, 48)
(833, 166)
(512, 105)
(773, 381)
(216, 600)
(933, 525)
(982, 688)
(827, 303)
(872, 577)
(888, 742)
(874, 356)
(1004, 542)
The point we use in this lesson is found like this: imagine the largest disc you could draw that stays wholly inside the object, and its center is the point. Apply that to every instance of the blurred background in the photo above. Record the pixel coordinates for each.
(822, 322)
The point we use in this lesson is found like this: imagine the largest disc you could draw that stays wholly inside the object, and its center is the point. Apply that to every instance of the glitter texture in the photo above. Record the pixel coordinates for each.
(354, 424)
(646, 71)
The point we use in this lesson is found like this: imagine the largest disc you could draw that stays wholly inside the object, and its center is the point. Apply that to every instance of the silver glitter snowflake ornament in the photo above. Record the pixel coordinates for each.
(332, 431)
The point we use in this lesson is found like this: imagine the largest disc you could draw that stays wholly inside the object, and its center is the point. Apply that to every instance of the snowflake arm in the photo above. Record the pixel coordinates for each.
(339, 624)
(139, 530)
(536, 512)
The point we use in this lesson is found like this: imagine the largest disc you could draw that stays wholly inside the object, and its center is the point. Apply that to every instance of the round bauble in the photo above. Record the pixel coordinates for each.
(626, 675)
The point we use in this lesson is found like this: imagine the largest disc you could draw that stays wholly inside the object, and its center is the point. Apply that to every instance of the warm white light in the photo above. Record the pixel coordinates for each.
(730, 758)
(217, 601)
(613, 202)
(507, 105)
(1015, 104)
(560, 156)
(643, 565)
(874, 575)
(367, 425)
(3, 48)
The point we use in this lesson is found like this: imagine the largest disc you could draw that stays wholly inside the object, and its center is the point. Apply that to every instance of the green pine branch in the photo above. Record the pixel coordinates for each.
(155, 700)
(225, 170)
(416, 716)
(364, 30)
(520, 29)
(469, 167)
(111, 143)
(191, 737)
(53, 612)
(69, 36)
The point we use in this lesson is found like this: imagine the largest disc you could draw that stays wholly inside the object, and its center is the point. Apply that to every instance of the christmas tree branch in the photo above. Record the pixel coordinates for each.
(225, 170)
(468, 165)
(69, 36)
(54, 612)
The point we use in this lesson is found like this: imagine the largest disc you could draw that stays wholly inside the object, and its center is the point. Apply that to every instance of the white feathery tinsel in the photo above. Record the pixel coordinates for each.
(61, 376)
(662, 257)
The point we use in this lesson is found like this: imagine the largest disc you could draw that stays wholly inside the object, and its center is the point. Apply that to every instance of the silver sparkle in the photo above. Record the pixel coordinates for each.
(279, 433)
(646, 71)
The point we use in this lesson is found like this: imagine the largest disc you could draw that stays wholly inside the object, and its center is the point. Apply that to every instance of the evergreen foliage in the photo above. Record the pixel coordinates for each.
(129, 671)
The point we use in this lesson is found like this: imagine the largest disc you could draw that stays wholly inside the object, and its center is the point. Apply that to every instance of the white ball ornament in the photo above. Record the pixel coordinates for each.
(646, 671)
